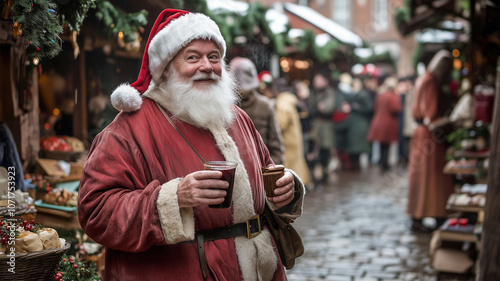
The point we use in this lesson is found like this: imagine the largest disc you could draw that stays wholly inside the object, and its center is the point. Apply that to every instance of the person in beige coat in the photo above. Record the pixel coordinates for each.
(288, 119)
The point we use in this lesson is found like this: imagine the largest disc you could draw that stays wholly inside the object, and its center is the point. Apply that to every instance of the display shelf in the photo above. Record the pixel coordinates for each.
(452, 205)
(471, 154)
(456, 233)
(465, 167)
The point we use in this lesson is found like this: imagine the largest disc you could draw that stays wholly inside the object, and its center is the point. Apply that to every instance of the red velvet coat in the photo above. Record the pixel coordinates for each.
(128, 203)
(384, 127)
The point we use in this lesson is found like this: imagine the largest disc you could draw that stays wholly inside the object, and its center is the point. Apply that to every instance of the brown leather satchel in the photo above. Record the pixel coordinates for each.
(286, 237)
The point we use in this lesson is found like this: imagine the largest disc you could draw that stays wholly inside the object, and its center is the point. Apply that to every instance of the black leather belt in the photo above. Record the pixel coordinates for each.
(251, 228)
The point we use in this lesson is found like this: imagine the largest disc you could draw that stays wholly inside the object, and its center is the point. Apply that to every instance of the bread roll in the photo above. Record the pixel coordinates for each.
(28, 241)
(49, 238)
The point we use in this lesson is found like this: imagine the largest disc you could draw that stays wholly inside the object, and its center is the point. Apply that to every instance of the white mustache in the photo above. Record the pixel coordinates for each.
(205, 76)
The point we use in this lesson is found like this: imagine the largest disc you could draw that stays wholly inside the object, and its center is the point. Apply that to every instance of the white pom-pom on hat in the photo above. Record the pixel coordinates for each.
(126, 98)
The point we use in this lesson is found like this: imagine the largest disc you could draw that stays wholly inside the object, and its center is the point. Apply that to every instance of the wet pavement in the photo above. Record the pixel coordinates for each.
(356, 229)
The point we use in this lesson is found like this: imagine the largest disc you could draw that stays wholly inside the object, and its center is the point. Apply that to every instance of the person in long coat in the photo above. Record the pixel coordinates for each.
(322, 133)
(288, 119)
(359, 123)
(384, 127)
(429, 187)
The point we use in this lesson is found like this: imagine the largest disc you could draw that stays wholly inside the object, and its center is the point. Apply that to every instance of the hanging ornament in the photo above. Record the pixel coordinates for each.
(134, 46)
(16, 30)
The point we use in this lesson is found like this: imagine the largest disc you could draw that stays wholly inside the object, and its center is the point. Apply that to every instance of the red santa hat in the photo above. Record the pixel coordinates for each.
(266, 77)
(172, 30)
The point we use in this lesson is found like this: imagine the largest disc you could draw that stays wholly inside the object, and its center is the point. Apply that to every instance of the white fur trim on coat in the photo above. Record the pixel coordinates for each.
(256, 256)
(176, 35)
(126, 98)
(177, 224)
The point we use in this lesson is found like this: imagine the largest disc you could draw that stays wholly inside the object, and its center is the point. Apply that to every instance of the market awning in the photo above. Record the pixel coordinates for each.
(325, 24)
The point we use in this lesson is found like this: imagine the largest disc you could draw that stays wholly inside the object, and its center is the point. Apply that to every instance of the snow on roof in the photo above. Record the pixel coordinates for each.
(227, 5)
(329, 26)
(278, 21)
(430, 35)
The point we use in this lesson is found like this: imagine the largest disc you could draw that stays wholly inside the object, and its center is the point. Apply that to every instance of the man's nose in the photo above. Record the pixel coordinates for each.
(205, 65)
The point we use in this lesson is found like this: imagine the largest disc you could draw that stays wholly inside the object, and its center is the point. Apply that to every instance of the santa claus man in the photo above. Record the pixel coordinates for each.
(144, 193)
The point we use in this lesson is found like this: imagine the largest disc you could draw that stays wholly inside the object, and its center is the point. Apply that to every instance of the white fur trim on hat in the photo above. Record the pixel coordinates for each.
(126, 98)
(176, 35)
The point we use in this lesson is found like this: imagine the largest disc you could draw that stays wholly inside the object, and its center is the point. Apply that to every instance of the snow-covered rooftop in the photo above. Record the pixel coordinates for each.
(278, 21)
(329, 26)
(228, 5)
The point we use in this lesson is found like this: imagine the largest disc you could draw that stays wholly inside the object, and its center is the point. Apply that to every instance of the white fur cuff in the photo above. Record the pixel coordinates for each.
(177, 224)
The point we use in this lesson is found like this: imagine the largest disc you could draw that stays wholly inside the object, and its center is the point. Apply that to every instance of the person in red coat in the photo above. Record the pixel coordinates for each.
(429, 187)
(144, 193)
(385, 124)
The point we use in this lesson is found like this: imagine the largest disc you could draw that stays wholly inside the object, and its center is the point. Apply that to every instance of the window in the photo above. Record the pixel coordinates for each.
(380, 15)
(342, 12)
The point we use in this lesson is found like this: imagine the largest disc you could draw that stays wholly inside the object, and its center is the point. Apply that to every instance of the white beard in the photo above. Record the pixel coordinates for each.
(203, 107)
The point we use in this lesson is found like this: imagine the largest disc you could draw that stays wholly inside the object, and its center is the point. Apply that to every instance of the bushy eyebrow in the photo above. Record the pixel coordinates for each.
(191, 50)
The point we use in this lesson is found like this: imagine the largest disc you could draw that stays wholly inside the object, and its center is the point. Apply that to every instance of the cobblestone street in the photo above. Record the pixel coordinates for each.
(356, 228)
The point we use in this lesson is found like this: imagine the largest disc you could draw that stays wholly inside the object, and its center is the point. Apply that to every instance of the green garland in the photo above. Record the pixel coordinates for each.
(116, 21)
(40, 27)
(328, 51)
(402, 15)
(73, 12)
(72, 269)
(40, 22)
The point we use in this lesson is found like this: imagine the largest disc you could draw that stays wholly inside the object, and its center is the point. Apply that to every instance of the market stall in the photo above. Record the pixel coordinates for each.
(467, 243)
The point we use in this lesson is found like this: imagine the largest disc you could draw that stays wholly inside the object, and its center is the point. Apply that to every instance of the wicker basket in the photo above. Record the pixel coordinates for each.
(40, 265)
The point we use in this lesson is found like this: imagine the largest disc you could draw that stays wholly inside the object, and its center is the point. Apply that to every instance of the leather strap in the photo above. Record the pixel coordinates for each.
(251, 228)
(179, 131)
(201, 255)
(234, 230)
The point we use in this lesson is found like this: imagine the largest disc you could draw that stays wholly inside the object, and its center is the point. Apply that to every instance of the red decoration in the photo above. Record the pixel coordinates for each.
(463, 222)
(339, 116)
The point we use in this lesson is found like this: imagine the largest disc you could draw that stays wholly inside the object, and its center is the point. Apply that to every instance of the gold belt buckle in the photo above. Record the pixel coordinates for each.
(251, 235)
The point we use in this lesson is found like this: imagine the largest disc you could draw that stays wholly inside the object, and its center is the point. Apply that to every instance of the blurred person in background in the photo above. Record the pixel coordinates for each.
(429, 187)
(371, 84)
(291, 129)
(358, 123)
(343, 94)
(322, 133)
(384, 127)
(259, 107)
(405, 91)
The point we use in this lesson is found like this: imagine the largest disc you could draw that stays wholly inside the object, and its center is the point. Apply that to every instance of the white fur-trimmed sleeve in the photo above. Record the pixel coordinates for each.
(177, 224)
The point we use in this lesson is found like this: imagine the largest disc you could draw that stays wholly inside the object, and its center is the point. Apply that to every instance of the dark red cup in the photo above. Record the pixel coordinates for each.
(228, 169)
